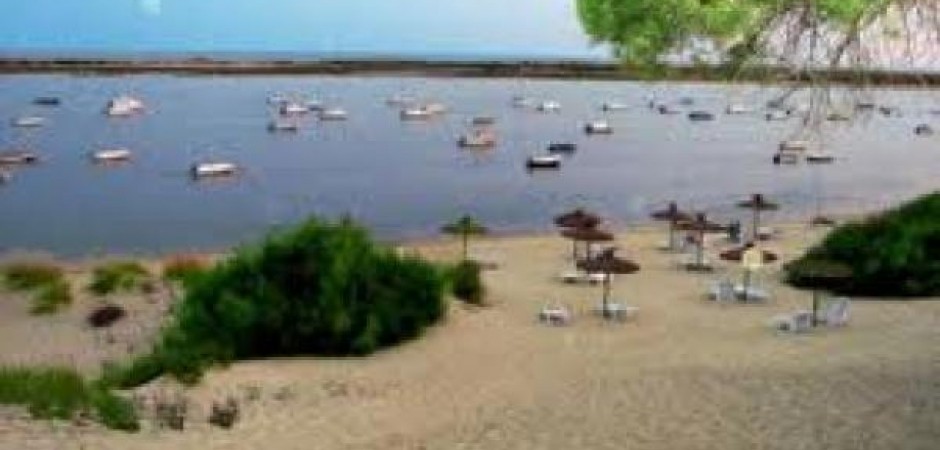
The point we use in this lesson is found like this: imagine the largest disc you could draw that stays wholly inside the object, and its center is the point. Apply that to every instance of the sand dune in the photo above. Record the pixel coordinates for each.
(688, 374)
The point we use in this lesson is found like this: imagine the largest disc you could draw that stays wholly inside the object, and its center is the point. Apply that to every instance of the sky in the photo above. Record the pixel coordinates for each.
(466, 28)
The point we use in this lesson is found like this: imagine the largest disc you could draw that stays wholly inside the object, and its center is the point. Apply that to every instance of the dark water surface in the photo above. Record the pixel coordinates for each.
(403, 179)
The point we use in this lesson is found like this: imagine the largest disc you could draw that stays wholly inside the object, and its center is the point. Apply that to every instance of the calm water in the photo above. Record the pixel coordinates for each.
(403, 179)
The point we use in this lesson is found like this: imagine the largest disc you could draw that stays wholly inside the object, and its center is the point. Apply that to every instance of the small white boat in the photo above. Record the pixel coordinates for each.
(477, 139)
(435, 108)
(294, 109)
(333, 114)
(123, 106)
(786, 157)
(111, 155)
(613, 106)
(543, 162)
(819, 158)
(18, 158)
(213, 169)
(738, 109)
(598, 127)
(793, 146)
(283, 125)
(418, 113)
(29, 122)
(549, 106)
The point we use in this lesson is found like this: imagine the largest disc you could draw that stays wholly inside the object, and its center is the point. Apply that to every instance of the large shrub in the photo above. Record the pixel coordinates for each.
(322, 289)
(894, 254)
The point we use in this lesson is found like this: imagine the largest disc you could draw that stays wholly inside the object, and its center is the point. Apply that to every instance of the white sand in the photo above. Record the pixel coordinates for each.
(688, 374)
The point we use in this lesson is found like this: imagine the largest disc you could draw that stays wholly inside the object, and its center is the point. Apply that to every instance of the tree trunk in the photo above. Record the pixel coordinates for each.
(465, 237)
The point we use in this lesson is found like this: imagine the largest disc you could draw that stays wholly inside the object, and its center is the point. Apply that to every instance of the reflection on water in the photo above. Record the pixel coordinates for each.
(404, 178)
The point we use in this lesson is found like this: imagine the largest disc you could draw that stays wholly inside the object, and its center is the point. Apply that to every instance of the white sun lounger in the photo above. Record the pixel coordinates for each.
(575, 277)
(555, 315)
(835, 313)
(726, 291)
(797, 322)
(618, 311)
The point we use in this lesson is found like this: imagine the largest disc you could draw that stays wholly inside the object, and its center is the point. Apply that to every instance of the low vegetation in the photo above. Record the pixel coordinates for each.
(63, 394)
(323, 289)
(45, 281)
(465, 282)
(894, 254)
(181, 268)
(119, 276)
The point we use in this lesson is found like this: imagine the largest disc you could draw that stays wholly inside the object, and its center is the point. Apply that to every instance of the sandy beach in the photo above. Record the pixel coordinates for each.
(687, 373)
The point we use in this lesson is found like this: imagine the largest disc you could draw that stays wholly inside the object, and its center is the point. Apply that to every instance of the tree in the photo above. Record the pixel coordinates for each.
(809, 38)
(464, 227)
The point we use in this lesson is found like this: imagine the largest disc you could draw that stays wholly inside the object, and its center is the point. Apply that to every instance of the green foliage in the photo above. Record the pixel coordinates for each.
(322, 289)
(643, 30)
(50, 298)
(27, 276)
(466, 283)
(116, 276)
(894, 254)
(55, 393)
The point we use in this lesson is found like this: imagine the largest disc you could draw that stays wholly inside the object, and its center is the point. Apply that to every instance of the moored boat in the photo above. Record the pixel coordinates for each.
(819, 158)
(543, 162)
(562, 147)
(923, 130)
(548, 106)
(477, 139)
(777, 114)
(613, 106)
(28, 122)
(213, 169)
(294, 109)
(277, 125)
(417, 113)
(333, 114)
(666, 110)
(786, 157)
(701, 116)
(793, 145)
(598, 127)
(737, 109)
(124, 105)
(47, 101)
(483, 120)
(18, 158)
(110, 155)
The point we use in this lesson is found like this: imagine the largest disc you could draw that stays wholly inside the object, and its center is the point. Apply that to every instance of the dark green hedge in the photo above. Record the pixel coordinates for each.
(321, 289)
(894, 254)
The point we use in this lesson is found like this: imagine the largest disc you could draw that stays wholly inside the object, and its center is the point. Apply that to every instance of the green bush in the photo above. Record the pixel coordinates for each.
(894, 254)
(465, 282)
(51, 297)
(125, 276)
(322, 289)
(55, 393)
(27, 276)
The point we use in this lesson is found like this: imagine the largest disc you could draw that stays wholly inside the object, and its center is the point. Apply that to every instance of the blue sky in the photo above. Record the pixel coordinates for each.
(410, 27)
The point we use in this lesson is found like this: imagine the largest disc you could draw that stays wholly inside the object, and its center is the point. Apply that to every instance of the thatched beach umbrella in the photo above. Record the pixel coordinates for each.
(608, 264)
(671, 214)
(758, 203)
(577, 218)
(820, 273)
(700, 225)
(588, 236)
(464, 227)
(737, 254)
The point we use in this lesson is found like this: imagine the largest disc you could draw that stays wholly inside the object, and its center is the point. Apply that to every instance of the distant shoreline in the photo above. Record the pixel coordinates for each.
(560, 69)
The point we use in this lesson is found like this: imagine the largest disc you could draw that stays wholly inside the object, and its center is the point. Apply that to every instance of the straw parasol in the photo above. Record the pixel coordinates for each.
(737, 254)
(577, 218)
(588, 236)
(464, 227)
(608, 263)
(671, 214)
(820, 273)
(758, 203)
(700, 225)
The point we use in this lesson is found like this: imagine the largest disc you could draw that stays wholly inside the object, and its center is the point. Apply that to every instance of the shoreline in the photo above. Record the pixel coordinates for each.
(536, 69)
